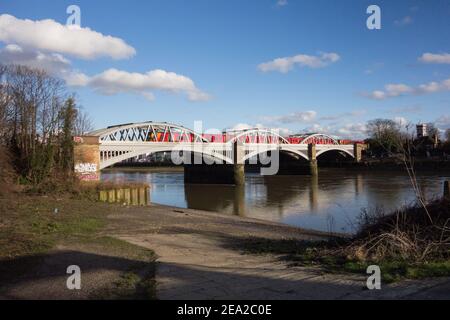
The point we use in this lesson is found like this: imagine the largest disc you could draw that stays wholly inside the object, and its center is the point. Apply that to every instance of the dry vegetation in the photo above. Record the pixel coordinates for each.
(413, 234)
(405, 244)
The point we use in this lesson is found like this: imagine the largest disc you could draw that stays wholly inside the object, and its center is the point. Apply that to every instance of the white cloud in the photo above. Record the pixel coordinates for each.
(51, 36)
(295, 117)
(53, 63)
(286, 64)
(76, 79)
(396, 90)
(245, 126)
(353, 131)
(401, 121)
(282, 3)
(113, 81)
(342, 131)
(443, 58)
(404, 21)
(391, 90)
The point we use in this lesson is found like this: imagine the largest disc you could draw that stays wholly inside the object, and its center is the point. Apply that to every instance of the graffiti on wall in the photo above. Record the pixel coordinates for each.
(87, 171)
(78, 139)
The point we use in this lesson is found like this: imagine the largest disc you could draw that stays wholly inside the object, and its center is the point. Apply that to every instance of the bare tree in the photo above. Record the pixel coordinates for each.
(4, 104)
(447, 135)
(385, 134)
(83, 123)
(37, 121)
(390, 136)
(432, 130)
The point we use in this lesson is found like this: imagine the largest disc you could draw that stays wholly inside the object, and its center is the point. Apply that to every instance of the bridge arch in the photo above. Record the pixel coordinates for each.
(110, 155)
(148, 132)
(258, 136)
(335, 149)
(259, 151)
(318, 138)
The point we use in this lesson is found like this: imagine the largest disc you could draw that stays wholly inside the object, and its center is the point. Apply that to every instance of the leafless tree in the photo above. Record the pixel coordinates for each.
(432, 130)
(34, 120)
(83, 123)
(385, 133)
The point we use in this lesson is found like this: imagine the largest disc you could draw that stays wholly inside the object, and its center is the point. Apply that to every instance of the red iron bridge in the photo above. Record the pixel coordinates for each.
(121, 142)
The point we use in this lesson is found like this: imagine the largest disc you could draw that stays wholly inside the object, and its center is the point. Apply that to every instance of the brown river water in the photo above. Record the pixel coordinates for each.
(333, 201)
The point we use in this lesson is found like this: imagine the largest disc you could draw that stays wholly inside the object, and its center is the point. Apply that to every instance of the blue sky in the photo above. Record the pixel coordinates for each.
(217, 61)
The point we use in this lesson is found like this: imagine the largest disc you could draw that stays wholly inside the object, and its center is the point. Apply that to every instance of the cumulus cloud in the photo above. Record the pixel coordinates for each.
(245, 126)
(286, 64)
(443, 58)
(396, 90)
(353, 131)
(51, 36)
(401, 121)
(113, 81)
(53, 63)
(339, 131)
(109, 82)
(295, 117)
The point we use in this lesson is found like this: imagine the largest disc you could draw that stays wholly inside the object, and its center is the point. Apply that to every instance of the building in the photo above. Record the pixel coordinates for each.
(422, 130)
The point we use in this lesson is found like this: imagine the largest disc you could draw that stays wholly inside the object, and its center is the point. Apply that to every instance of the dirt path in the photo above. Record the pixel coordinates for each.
(199, 258)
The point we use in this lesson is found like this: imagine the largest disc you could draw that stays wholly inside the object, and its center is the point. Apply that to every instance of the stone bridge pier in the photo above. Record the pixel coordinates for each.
(197, 171)
(87, 158)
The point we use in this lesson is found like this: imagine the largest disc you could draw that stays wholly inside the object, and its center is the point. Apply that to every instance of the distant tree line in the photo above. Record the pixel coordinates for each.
(38, 119)
(387, 136)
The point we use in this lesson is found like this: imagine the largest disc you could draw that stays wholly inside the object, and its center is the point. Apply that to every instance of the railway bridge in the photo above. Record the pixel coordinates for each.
(203, 155)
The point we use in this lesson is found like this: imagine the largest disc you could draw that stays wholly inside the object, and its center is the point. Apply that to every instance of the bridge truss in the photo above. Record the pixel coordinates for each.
(121, 142)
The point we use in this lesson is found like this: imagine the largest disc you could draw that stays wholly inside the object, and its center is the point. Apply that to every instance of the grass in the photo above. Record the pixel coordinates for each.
(32, 226)
(328, 256)
(35, 226)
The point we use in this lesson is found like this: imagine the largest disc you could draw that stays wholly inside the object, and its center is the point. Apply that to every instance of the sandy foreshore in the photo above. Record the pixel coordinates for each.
(184, 254)
(200, 257)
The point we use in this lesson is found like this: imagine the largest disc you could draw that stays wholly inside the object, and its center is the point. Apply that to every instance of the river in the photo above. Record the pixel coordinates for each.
(333, 201)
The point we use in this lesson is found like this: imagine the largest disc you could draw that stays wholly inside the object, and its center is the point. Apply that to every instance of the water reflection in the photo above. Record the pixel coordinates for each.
(305, 201)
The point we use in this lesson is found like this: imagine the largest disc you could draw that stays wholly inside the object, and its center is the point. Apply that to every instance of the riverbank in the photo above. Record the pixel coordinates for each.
(194, 255)
(203, 255)
(41, 236)
(144, 169)
(389, 164)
